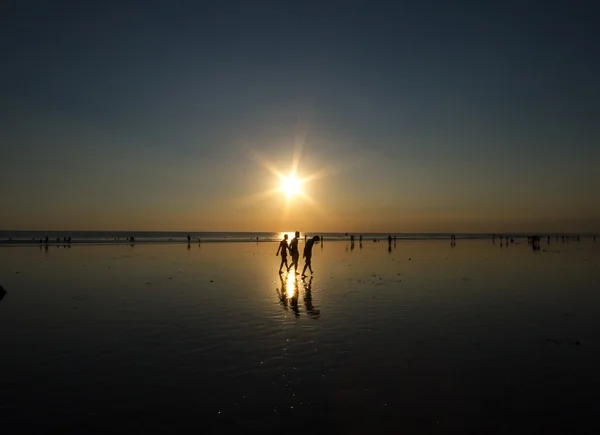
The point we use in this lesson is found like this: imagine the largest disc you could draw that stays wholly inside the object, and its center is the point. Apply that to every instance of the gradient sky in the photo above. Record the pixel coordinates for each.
(425, 115)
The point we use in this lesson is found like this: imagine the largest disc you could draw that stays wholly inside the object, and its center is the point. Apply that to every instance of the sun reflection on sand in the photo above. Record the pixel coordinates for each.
(291, 285)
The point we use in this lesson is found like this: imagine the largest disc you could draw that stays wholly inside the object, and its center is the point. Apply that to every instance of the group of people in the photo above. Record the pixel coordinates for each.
(292, 247)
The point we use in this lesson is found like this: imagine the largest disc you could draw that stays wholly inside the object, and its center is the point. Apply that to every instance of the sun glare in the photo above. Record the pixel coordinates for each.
(290, 185)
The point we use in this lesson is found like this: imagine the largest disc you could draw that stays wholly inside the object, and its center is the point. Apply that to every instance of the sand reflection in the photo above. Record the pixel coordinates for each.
(288, 294)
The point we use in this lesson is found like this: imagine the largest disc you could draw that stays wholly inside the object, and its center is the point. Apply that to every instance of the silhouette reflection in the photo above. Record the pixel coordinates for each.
(308, 305)
(288, 295)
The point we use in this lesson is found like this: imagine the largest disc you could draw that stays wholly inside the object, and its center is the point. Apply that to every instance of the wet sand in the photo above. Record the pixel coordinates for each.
(425, 338)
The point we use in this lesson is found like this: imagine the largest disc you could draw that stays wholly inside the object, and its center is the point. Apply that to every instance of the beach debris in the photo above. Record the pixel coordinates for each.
(211, 280)
(409, 259)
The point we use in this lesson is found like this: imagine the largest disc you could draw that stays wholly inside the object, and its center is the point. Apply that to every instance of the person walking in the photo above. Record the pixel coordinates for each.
(308, 255)
(283, 248)
(295, 253)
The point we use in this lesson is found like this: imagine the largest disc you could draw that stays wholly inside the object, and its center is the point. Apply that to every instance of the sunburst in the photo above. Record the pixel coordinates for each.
(291, 185)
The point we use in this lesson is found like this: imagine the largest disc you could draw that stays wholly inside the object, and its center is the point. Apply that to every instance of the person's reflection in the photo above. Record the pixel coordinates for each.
(282, 293)
(389, 249)
(308, 305)
(288, 294)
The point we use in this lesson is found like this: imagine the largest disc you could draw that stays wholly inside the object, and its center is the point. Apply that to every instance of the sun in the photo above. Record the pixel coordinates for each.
(291, 185)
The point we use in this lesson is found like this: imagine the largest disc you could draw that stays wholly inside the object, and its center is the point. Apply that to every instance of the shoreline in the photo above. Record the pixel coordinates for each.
(101, 242)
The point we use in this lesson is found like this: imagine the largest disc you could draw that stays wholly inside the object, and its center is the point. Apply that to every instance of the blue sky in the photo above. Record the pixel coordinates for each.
(428, 116)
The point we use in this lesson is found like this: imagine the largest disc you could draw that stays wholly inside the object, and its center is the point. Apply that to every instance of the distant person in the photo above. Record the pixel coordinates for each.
(283, 248)
(360, 238)
(189, 239)
(294, 252)
(389, 240)
(308, 255)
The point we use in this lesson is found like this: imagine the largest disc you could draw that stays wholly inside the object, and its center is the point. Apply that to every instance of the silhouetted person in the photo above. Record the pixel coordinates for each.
(189, 239)
(307, 254)
(360, 239)
(535, 243)
(283, 248)
(294, 252)
(390, 240)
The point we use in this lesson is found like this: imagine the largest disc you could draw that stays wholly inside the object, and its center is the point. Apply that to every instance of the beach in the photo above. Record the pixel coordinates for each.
(420, 336)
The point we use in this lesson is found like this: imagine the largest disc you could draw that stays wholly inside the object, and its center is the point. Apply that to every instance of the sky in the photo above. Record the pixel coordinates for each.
(403, 116)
